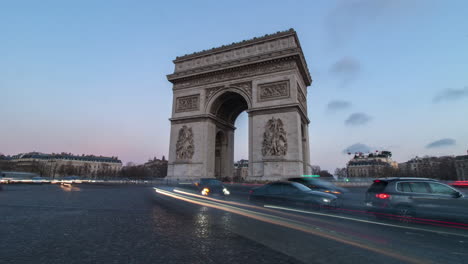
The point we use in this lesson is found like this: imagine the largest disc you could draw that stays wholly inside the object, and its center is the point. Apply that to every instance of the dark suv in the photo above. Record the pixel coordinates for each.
(405, 198)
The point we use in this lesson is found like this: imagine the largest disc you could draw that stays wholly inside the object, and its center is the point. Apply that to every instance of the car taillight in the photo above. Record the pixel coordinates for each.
(382, 196)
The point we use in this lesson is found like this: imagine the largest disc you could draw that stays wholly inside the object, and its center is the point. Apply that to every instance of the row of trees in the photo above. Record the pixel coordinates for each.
(133, 171)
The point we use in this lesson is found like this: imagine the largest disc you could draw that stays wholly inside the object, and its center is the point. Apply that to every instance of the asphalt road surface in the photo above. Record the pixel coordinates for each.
(140, 224)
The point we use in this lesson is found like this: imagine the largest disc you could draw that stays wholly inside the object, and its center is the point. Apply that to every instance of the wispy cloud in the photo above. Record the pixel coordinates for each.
(346, 70)
(358, 119)
(445, 142)
(350, 16)
(337, 105)
(451, 95)
(358, 147)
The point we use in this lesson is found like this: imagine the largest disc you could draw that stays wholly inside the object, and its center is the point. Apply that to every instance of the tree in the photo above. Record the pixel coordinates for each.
(341, 173)
(315, 170)
(70, 169)
(388, 171)
(86, 169)
(325, 174)
(446, 170)
(37, 167)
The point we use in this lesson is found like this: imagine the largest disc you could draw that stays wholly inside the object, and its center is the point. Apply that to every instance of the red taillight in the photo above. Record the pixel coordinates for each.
(382, 196)
(377, 181)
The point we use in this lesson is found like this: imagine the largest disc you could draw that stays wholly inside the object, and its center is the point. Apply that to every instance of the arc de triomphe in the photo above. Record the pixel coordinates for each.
(265, 76)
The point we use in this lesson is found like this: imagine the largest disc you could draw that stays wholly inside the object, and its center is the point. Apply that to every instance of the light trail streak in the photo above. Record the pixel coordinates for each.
(280, 221)
(364, 221)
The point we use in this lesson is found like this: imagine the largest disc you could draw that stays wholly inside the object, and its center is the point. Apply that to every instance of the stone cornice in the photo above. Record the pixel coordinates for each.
(234, 45)
(269, 47)
(239, 72)
(280, 109)
(203, 117)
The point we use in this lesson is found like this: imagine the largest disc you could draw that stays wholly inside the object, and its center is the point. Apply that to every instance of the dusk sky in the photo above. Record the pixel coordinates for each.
(89, 77)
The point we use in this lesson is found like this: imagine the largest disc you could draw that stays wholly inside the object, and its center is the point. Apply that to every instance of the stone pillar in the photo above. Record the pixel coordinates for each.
(276, 152)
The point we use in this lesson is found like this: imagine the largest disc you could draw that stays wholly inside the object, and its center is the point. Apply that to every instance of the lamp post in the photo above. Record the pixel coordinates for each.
(347, 167)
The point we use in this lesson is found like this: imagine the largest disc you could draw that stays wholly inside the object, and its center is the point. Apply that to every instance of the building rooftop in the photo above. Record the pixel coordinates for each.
(65, 156)
(280, 45)
(235, 45)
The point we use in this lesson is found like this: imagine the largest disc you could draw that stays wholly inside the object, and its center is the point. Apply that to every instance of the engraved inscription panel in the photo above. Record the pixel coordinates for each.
(273, 91)
(243, 52)
(188, 103)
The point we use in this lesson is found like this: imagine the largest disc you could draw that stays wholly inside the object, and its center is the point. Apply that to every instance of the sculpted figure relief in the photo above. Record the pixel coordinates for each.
(185, 147)
(274, 138)
(271, 91)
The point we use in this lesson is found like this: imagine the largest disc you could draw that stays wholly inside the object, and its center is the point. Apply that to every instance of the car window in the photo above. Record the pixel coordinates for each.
(275, 189)
(378, 186)
(438, 188)
(320, 183)
(210, 182)
(419, 187)
(301, 187)
(287, 188)
(404, 187)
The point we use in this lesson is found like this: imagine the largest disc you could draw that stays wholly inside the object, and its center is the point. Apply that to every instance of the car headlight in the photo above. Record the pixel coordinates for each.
(225, 191)
(325, 200)
(205, 191)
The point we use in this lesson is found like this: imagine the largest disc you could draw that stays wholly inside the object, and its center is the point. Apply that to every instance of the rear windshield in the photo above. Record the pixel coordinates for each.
(211, 182)
(378, 186)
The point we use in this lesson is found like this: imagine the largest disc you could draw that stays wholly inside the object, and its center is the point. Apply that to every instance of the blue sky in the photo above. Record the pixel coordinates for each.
(90, 76)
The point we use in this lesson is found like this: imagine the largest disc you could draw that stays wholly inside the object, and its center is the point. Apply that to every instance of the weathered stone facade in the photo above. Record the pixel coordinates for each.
(267, 77)
(59, 165)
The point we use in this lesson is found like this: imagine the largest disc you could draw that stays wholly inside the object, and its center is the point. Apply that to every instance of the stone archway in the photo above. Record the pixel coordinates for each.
(226, 106)
(268, 78)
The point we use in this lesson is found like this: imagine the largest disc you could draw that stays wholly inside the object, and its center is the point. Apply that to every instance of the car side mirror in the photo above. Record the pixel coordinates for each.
(457, 195)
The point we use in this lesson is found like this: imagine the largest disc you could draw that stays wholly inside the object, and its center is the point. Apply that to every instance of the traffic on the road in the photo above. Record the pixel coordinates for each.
(377, 223)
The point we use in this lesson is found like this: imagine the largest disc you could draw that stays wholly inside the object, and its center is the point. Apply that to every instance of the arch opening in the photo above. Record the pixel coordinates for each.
(227, 107)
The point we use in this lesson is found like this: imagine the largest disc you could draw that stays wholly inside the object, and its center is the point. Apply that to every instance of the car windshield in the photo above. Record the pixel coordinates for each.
(319, 183)
(211, 182)
(300, 186)
(251, 132)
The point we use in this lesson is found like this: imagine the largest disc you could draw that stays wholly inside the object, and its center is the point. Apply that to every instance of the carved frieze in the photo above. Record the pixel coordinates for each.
(236, 74)
(185, 147)
(275, 142)
(238, 53)
(211, 91)
(273, 91)
(188, 103)
(301, 98)
(244, 86)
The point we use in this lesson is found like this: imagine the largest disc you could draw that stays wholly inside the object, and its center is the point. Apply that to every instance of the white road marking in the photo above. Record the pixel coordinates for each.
(365, 221)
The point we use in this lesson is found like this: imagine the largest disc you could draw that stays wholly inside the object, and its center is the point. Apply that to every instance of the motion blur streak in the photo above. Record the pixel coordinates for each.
(280, 221)
(223, 201)
(412, 219)
(69, 188)
(365, 221)
(427, 221)
(250, 206)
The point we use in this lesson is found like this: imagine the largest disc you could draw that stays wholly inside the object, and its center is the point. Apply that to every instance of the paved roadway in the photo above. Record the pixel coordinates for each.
(134, 224)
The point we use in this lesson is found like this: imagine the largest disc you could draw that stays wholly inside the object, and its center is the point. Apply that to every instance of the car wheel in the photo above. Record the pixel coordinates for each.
(405, 214)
